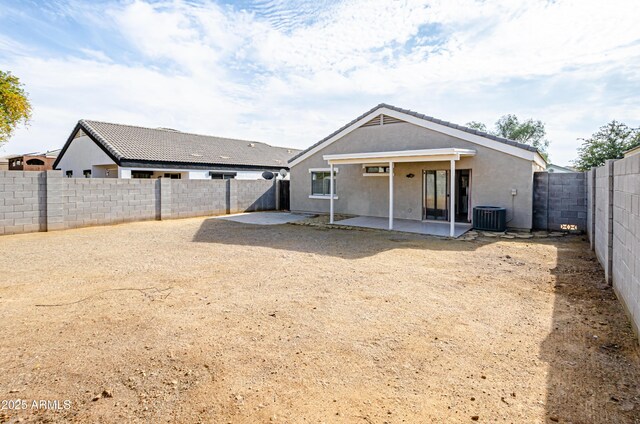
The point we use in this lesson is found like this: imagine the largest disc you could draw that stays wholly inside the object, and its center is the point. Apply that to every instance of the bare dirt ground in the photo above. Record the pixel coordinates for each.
(204, 320)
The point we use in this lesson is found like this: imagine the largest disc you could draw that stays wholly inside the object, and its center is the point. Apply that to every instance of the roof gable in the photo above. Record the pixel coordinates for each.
(394, 115)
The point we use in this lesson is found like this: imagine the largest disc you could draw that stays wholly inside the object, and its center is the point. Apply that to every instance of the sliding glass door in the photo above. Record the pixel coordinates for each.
(436, 195)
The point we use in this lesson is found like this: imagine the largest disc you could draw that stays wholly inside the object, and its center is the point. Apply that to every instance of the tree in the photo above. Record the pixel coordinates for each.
(14, 105)
(609, 142)
(475, 125)
(529, 132)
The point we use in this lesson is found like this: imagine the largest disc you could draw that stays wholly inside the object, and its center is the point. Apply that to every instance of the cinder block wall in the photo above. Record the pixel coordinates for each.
(540, 200)
(252, 195)
(197, 197)
(23, 202)
(559, 199)
(101, 201)
(47, 201)
(591, 198)
(626, 235)
(603, 216)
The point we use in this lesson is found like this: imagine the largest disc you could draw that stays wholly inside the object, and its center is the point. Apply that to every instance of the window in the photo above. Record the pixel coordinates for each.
(35, 162)
(321, 183)
(173, 176)
(69, 174)
(376, 169)
(141, 174)
(87, 173)
(222, 175)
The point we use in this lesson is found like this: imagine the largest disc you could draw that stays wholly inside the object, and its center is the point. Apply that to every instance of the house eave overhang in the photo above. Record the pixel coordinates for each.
(481, 140)
(185, 166)
(422, 155)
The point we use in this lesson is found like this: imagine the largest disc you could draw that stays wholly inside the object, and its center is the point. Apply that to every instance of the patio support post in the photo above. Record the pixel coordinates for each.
(391, 195)
(452, 199)
(331, 191)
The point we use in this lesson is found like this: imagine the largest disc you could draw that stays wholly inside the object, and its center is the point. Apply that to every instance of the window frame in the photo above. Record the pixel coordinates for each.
(38, 162)
(222, 175)
(323, 195)
(136, 175)
(369, 167)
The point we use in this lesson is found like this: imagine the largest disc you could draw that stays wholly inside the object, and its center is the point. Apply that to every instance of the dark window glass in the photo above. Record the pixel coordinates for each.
(376, 169)
(222, 175)
(321, 184)
(141, 174)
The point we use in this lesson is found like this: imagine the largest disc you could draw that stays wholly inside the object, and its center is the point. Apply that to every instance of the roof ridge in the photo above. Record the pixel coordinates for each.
(173, 131)
(426, 118)
(86, 125)
(461, 127)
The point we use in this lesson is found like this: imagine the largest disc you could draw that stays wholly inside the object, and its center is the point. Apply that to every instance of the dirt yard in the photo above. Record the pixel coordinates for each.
(204, 320)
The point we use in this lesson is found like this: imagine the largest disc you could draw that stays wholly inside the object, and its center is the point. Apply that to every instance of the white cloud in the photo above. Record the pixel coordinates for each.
(291, 72)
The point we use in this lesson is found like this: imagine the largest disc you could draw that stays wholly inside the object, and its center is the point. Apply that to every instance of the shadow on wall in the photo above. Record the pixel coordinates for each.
(592, 354)
(264, 202)
(348, 244)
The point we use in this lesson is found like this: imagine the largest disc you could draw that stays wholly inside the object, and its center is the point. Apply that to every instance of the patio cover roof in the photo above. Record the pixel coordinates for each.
(423, 155)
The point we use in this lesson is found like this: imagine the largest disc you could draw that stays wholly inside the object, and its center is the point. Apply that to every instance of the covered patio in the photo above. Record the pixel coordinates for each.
(431, 228)
(388, 159)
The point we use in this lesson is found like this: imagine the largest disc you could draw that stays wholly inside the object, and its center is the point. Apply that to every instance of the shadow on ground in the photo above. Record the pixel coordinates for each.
(343, 243)
(592, 353)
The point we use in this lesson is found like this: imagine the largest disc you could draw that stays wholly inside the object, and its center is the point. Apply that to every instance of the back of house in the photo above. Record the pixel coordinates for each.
(426, 159)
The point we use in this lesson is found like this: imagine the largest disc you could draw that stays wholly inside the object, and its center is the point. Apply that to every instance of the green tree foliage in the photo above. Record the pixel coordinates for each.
(609, 142)
(475, 125)
(14, 105)
(529, 131)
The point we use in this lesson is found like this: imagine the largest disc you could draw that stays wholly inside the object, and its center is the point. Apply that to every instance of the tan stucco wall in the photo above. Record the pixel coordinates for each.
(494, 174)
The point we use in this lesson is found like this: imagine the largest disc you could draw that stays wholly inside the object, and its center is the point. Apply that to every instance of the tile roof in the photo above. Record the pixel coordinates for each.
(132, 143)
(426, 118)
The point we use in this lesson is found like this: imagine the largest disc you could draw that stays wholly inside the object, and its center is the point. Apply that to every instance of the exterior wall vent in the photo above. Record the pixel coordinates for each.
(386, 120)
(382, 120)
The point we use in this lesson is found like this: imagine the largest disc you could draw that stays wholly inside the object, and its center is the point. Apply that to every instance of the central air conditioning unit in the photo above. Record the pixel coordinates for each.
(489, 218)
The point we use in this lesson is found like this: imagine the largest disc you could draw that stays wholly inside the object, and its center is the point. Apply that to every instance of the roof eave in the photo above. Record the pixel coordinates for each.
(417, 118)
(94, 136)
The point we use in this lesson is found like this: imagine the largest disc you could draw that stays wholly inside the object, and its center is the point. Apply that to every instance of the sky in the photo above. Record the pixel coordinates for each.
(290, 72)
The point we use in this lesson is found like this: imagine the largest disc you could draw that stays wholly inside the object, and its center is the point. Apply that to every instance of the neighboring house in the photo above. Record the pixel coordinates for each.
(103, 150)
(632, 152)
(4, 163)
(395, 163)
(33, 161)
(559, 169)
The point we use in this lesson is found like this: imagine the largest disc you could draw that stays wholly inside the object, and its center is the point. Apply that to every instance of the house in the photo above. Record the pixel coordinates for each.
(559, 169)
(33, 161)
(104, 150)
(632, 151)
(399, 166)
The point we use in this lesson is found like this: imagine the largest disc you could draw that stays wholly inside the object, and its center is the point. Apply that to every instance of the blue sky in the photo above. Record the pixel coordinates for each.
(290, 72)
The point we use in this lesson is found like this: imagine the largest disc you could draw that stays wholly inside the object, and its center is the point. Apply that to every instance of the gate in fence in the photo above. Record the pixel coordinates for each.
(283, 195)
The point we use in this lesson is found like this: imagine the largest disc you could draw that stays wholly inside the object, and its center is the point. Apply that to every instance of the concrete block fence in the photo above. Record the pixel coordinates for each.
(33, 201)
(614, 228)
(605, 203)
(23, 201)
(560, 201)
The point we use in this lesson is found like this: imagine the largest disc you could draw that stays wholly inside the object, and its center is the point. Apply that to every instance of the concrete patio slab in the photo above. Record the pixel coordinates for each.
(407, 225)
(264, 218)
